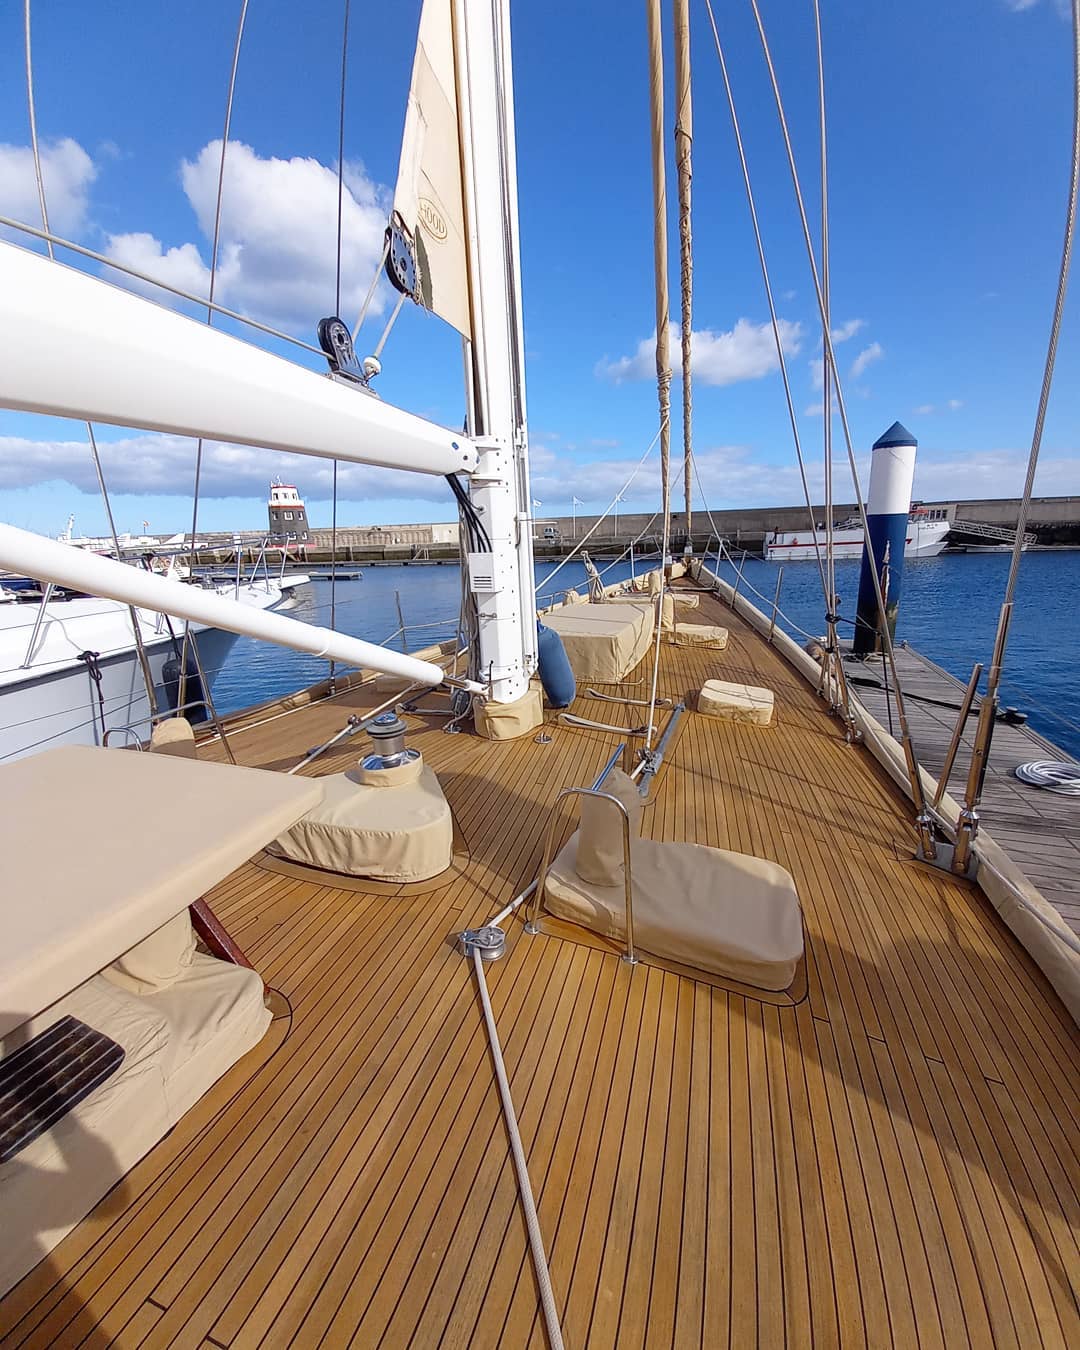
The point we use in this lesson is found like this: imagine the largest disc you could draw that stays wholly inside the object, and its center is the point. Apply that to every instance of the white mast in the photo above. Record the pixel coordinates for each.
(495, 358)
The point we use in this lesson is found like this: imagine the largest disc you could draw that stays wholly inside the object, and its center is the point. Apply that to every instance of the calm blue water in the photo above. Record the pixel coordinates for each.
(948, 611)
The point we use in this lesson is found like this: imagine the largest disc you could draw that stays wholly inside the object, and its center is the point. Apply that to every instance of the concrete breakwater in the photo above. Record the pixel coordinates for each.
(1054, 521)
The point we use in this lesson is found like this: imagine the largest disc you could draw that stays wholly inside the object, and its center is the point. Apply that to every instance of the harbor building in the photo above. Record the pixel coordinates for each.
(288, 516)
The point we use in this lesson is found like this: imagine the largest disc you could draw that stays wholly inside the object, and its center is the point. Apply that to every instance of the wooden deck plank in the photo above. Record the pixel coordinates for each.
(890, 1161)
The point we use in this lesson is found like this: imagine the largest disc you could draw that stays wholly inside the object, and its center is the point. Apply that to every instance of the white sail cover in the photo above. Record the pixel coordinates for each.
(428, 197)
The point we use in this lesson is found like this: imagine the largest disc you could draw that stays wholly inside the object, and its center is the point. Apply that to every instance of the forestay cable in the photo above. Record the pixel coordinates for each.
(922, 819)
(684, 140)
(663, 328)
(35, 148)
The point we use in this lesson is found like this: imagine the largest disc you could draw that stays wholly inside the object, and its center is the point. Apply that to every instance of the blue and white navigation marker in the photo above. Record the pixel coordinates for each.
(888, 506)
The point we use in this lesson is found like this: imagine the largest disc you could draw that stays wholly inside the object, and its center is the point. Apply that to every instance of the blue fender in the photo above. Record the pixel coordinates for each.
(553, 666)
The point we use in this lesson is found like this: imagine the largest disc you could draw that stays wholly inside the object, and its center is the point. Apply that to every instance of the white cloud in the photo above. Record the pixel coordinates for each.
(817, 373)
(67, 172)
(145, 463)
(928, 409)
(1063, 7)
(278, 245)
(745, 352)
(847, 330)
(866, 357)
(181, 267)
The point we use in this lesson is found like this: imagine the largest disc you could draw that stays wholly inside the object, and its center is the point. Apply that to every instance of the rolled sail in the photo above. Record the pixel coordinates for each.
(428, 198)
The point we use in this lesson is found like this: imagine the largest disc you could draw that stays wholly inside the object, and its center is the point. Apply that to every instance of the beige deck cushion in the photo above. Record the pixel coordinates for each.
(176, 1044)
(599, 856)
(174, 736)
(143, 836)
(505, 721)
(397, 775)
(736, 702)
(603, 642)
(215, 1014)
(701, 635)
(158, 961)
(728, 913)
(397, 834)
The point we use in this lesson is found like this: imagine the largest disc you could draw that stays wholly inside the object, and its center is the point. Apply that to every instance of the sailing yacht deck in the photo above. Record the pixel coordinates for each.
(889, 1159)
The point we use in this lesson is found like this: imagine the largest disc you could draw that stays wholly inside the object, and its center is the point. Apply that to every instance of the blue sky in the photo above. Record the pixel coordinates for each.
(949, 144)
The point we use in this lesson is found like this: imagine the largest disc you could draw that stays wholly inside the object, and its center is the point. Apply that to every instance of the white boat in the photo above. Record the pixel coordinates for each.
(926, 538)
(71, 673)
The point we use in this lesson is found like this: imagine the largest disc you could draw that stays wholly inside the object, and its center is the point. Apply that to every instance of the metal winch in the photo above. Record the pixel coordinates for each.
(387, 734)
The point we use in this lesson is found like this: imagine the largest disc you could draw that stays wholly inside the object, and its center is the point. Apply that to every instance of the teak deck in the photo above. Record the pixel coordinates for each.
(890, 1161)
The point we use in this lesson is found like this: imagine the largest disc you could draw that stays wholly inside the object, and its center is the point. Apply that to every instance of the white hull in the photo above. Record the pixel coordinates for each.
(924, 540)
(55, 701)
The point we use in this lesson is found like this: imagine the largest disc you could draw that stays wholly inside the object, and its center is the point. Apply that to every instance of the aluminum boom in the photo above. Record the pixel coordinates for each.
(72, 345)
(49, 560)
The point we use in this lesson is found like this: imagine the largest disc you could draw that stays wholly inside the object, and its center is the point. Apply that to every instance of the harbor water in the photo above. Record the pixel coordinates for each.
(948, 611)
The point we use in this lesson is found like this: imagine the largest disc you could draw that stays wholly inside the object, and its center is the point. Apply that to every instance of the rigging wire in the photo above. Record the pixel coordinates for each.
(35, 146)
(832, 664)
(214, 252)
(684, 141)
(607, 512)
(981, 751)
(337, 310)
(922, 817)
(663, 327)
(60, 241)
(826, 366)
(371, 289)
(770, 299)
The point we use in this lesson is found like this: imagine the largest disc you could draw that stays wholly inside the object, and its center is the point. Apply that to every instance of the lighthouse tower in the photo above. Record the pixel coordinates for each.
(288, 516)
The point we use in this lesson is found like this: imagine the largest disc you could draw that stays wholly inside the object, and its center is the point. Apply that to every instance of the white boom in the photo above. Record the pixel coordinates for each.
(73, 345)
(49, 560)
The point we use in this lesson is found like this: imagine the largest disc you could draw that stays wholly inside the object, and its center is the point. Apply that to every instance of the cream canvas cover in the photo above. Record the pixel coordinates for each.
(428, 196)
(603, 642)
(728, 913)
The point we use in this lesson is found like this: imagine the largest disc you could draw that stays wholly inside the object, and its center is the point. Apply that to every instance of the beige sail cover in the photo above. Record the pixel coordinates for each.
(428, 196)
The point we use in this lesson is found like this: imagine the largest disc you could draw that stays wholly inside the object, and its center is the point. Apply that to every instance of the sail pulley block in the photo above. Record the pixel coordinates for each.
(336, 341)
(401, 265)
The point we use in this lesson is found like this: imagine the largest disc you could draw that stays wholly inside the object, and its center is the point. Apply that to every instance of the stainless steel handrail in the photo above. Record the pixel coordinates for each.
(129, 728)
(629, 956)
